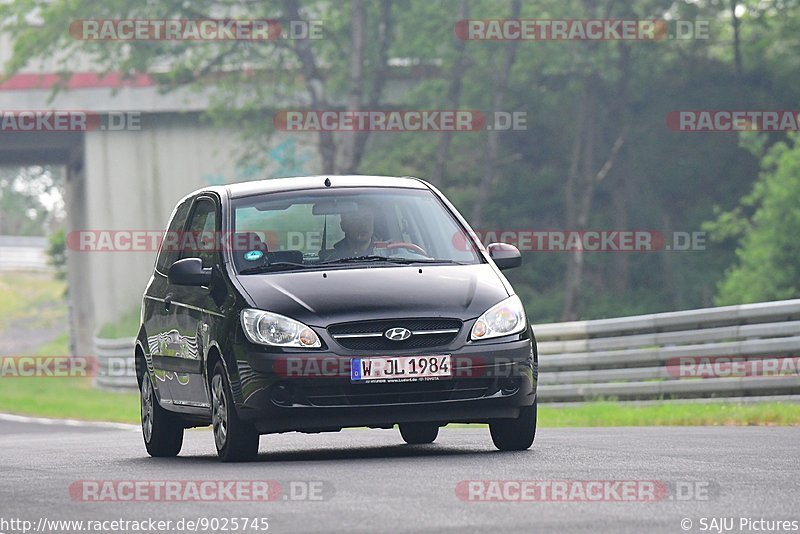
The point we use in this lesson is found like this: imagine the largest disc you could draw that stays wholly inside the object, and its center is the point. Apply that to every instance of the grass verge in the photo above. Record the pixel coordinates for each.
(671, 413)
(76, 399)
(70, 398)
(30, 296)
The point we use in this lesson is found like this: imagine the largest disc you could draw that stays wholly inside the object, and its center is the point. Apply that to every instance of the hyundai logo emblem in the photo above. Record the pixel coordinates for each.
(397, 334)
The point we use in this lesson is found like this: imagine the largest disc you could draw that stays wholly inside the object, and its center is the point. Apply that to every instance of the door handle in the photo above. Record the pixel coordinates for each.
(168, 301)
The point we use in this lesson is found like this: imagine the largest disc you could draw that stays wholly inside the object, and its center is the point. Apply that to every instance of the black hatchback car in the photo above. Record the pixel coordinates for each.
(317, 303)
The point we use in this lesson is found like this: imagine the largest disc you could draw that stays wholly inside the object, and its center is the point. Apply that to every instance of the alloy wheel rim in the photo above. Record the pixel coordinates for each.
(219, 412)
(147, 408)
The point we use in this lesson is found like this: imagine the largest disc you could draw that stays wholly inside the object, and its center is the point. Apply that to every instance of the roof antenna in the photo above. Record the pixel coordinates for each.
(327, 182)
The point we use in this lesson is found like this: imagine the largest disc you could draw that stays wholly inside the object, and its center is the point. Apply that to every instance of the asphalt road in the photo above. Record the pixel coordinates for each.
(368, 481)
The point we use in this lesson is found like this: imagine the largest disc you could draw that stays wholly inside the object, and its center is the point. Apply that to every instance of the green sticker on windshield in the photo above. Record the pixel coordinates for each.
(253, 255)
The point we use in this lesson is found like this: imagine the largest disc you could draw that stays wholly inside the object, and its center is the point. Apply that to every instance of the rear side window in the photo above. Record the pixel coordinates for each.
(168, 255)
(200, 242)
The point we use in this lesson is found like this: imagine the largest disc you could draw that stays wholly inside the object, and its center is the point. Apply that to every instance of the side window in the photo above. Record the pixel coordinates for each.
(200, 241)
(169, 252)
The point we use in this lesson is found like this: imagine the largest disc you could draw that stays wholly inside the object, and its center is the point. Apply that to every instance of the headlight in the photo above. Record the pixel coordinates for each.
(502, 319)
(268, 328)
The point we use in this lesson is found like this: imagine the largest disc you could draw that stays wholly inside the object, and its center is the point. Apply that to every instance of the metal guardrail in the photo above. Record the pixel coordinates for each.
(640, 358)
(23, 259)
(116, 367)
(626, 358)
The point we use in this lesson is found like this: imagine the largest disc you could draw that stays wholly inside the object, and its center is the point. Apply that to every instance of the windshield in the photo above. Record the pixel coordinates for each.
(321, 228)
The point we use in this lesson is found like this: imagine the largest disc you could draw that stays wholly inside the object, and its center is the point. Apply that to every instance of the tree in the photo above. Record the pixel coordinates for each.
(57, 253)
(244, 78)
(31, 200)
(768, 251)
(596, 153)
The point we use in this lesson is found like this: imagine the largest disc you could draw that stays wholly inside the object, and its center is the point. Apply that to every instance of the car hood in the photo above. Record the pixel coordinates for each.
(321, 298)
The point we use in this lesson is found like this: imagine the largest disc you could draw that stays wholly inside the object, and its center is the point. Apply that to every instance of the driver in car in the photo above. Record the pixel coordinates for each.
(359, 235)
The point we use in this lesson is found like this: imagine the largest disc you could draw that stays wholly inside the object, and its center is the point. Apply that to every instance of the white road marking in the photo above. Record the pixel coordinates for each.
(67, 422)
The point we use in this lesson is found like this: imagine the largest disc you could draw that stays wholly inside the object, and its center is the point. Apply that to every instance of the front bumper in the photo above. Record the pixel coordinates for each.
(313, 393)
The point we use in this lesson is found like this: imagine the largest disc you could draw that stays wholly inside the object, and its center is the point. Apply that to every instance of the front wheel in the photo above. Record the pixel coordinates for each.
(419, 433)
(515, 434)
(162, 431)
(236, 440)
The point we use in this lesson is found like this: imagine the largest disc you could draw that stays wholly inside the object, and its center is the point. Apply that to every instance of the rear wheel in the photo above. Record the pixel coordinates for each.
(515, 434)
(418, 433)
(236, 440)
(161, 430)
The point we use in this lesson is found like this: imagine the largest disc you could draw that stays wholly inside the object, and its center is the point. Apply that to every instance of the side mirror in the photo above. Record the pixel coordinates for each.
(189, 272)
(505, 256)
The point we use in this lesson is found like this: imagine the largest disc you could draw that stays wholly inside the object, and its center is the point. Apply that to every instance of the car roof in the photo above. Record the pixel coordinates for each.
(276, 185)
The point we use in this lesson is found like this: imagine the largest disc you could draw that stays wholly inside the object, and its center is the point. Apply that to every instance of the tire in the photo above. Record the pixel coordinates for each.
(236, 441)
(419, 433)
(161, 430)
(515, 434)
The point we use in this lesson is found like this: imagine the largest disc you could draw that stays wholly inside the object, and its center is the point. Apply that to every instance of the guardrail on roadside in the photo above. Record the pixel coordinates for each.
(646, 357)
(22, 253)
(628, 358)
(115, 361)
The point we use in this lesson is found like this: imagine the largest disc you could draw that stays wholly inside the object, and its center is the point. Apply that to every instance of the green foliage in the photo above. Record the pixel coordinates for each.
(57, 253)
(767, 266)
(662, 180)
(22, 191)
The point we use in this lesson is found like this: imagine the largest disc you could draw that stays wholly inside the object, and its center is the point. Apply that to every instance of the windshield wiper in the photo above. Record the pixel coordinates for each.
(291, 266)
(277, 266)
(389, 259)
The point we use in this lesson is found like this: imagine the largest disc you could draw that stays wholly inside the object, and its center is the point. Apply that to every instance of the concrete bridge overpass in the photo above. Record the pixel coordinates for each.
(129, 179)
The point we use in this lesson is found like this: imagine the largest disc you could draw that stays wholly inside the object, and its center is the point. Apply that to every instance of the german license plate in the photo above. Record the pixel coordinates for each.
(400, 368)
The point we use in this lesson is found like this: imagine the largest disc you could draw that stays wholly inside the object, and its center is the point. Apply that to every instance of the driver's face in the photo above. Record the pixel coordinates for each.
(358, 226)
